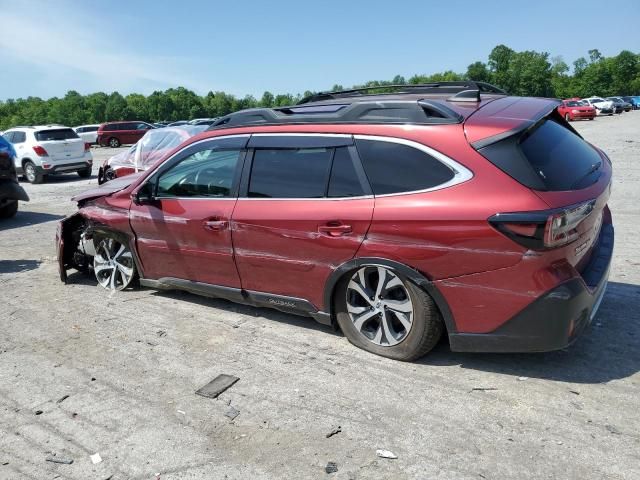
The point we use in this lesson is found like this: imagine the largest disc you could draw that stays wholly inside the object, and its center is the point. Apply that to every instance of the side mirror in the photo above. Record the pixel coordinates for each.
(144, 195)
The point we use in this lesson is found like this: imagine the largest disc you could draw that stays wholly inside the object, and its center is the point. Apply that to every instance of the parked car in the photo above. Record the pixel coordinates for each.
(573, 110)
(486, 219)
(203, 121)
(149, 149)
(88, 133)
(602, 106)
(178, 123)
(115, 134)
(634, 101)
(49, 150)
(623, 105)
(10, 190)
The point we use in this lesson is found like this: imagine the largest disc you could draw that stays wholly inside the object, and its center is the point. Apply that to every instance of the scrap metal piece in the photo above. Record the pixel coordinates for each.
(216, 386)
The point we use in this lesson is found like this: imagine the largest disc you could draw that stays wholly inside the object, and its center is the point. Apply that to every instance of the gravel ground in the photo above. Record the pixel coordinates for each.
(83, 372)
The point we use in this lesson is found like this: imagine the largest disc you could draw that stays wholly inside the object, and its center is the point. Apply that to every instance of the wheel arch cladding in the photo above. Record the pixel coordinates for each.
(413, 275)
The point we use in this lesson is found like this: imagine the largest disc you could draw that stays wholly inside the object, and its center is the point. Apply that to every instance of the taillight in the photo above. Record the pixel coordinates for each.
(87, 146)
(41, 152)
(546, 229)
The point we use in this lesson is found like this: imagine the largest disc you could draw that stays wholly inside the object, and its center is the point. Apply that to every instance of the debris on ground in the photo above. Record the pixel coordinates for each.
(182, 412)
(522, 379)
(62, 399)
(161, 333)
(613, 429)
(54, 459)
(95, 458)
(575, 392)
(232, 413)
(216, 386)
(386, 454)
(482, 389)
(332, 467)
(333, 432)
(38, 412)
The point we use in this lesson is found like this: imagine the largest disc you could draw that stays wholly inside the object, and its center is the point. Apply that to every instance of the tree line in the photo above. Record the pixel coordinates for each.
(527, 73)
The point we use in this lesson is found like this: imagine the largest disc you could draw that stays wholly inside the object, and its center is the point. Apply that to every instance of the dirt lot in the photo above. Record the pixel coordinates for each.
(130, 364)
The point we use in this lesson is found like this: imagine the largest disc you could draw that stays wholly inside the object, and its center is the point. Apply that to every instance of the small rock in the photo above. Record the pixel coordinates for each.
(333, 432)
(559, 442)
(182, 412)
(232, 413)
(38, 412)
(522, 379)
(613, 429)
(95, 458)
(332, 467)
(386, 454)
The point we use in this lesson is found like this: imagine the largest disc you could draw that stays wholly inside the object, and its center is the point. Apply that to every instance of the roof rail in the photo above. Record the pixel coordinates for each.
(390, 111)
(433, 88)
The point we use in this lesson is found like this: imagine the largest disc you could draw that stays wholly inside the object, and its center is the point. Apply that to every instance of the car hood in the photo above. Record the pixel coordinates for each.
(108, 188)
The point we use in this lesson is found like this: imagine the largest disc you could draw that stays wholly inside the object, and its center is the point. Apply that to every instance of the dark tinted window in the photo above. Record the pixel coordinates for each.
(90, 129)
(561, 158)
(8, 136)
(394, 168)
(344, 180)
(208, 173)
(56, 134)
(291, 173)
(19, 137)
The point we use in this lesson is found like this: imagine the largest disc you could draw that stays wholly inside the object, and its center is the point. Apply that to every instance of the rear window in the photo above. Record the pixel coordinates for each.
(562, 159)
(57, 134)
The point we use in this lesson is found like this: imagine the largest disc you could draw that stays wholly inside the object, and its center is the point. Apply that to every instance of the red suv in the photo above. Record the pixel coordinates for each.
(115, 134)
(396, 217)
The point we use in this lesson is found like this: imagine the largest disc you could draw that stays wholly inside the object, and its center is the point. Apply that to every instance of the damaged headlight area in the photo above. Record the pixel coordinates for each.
(74, 238)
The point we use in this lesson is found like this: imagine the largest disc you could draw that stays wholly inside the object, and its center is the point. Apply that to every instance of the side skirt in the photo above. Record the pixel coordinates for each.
(296, 306)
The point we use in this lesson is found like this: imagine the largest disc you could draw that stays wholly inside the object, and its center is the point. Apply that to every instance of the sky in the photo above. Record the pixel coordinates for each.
(284, 46)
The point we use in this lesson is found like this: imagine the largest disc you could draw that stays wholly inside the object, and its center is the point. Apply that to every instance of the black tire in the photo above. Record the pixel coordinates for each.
(592, 118)
(114, 142)
(426, 330)
(31, 173)
(85, 173)
(9, 210)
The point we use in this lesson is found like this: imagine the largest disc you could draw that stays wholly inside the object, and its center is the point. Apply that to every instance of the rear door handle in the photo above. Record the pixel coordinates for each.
(335, 230)
(215, 225)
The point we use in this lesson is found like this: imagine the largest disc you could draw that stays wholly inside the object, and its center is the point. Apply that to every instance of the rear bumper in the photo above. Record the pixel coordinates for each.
(63, 167)
(554, 320)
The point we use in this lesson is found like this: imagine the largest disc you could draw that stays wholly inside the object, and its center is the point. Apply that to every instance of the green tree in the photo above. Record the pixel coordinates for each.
(116, 108)
(479, 72)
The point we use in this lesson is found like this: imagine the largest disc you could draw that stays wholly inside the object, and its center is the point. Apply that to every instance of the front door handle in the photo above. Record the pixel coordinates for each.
(335, 230)
(215, 225)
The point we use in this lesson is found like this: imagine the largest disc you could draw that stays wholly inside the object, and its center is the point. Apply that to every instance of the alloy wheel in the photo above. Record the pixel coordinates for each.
(113, 265)
(30, 172)
(379, 305)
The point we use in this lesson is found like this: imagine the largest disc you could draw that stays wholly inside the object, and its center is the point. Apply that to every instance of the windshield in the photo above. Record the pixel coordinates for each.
(572, 104)
(56, 135)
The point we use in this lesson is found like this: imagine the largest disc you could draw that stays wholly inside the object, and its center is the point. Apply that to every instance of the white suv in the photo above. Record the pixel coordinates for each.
(88, 133)
(47, 150)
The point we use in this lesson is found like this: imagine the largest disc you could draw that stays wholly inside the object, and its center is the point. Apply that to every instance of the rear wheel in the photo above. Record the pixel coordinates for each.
(31, 172)
(85, 173)
(114, 142)
(567, 117)
(113, 264)
(9, 209)
(381, 311)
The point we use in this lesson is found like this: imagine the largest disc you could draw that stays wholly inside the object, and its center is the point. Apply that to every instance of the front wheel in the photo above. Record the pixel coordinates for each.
(9, 209)
(381, 311)
(114, 142)
(113, 264)
(567, 117)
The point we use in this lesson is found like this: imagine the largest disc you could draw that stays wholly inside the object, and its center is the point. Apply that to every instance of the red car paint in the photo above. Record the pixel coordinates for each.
(291, 247)
(572, 110)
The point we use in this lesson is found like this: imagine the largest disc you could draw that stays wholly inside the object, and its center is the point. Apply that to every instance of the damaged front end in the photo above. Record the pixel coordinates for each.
(75, 247)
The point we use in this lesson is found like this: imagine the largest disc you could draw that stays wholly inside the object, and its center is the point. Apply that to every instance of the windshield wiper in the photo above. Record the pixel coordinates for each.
(594, 168)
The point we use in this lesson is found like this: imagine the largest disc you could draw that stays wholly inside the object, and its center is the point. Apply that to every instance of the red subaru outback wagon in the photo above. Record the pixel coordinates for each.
(447, 207)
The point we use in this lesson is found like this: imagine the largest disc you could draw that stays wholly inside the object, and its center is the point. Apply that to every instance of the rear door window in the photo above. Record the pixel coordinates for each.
(19, 137)
(56, 135)
(290, 173)
(344, 181)
(395, 168)
(562, 159)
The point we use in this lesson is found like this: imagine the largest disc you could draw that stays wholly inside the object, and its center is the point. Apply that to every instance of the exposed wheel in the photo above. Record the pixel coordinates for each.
(113, 264)
(114, 142)
(567, 117)
(9, 209)
(381, 311)
(31, 172)
(85, 173)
